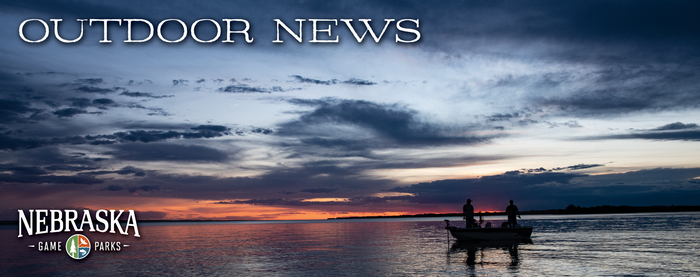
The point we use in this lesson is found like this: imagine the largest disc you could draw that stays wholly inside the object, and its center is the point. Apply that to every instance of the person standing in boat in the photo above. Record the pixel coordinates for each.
(512, 212)
(468, 210)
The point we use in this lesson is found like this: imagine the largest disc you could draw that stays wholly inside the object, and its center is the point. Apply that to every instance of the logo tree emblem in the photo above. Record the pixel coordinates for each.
(78, 246)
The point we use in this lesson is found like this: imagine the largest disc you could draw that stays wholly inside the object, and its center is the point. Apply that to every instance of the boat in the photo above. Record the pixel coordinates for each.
(488, 233)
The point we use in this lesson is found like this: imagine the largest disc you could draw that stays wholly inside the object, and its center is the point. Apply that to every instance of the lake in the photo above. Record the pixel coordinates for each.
(650, 244)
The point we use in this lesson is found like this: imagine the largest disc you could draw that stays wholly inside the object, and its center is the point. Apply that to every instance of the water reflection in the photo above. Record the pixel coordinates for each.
(488, 254)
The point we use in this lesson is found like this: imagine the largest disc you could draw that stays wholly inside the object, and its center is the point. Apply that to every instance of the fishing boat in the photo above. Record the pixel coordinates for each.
(488, 233)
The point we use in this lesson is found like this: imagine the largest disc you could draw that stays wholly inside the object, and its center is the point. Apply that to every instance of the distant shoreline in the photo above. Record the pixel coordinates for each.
(571, 209)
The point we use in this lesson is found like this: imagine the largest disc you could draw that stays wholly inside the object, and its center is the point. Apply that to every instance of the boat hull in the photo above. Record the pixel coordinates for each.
(491, 234)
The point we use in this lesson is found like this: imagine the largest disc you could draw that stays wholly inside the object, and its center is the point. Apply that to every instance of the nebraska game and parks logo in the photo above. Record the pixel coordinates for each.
(78, 246)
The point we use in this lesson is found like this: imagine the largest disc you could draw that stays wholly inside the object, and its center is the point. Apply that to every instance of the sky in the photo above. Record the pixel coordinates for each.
(547, 103)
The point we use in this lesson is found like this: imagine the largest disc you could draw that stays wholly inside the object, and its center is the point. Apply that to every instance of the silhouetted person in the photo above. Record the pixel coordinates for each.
(468, 210)
(512, 212)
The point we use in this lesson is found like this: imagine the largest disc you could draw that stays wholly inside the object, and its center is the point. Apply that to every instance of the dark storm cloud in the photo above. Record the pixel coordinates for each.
(609, 25)
(396, 123)
(24, 170)
(352, 81)
(578, 166)
(264, 131)
(358, 82)
(37, 175)
(91, 89)
(503, 117)
(202, 131)
(88, 81)
(311, 81)
(127, 170)
(616, 89)
(49, 179)
(672, 131)
(242, 88)
(645, 52)
(144, 94)
(103, 102)
(676, 126)
(32, 107)
(672, 135)
(612, 100)
(51, 159)
(13, 143)
(12, 111)
(168, 152)
(70, 168)
(69, 112)
(80, 102)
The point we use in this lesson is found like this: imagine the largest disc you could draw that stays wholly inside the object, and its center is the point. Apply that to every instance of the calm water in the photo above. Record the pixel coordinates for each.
(661, 244)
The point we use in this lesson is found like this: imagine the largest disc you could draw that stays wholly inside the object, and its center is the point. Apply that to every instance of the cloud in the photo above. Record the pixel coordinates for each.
(37, 175)
(351, 81)
(652, 135)
(243, 88)
(676, 126)
(17, 111)
(69, 112)
(70, 168)
(10, 143)
(578, 167)
(264, 131)
(358, 82)
(613, 90)
(395, 123)
(312, 81)
(167, 152)
(180, 82)
(127, 170)
(202, 131)
(660, 186)
(144, 94)
(103, 102)
(92, 89)
(319, 190)
(542, 169)
(89, 81)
